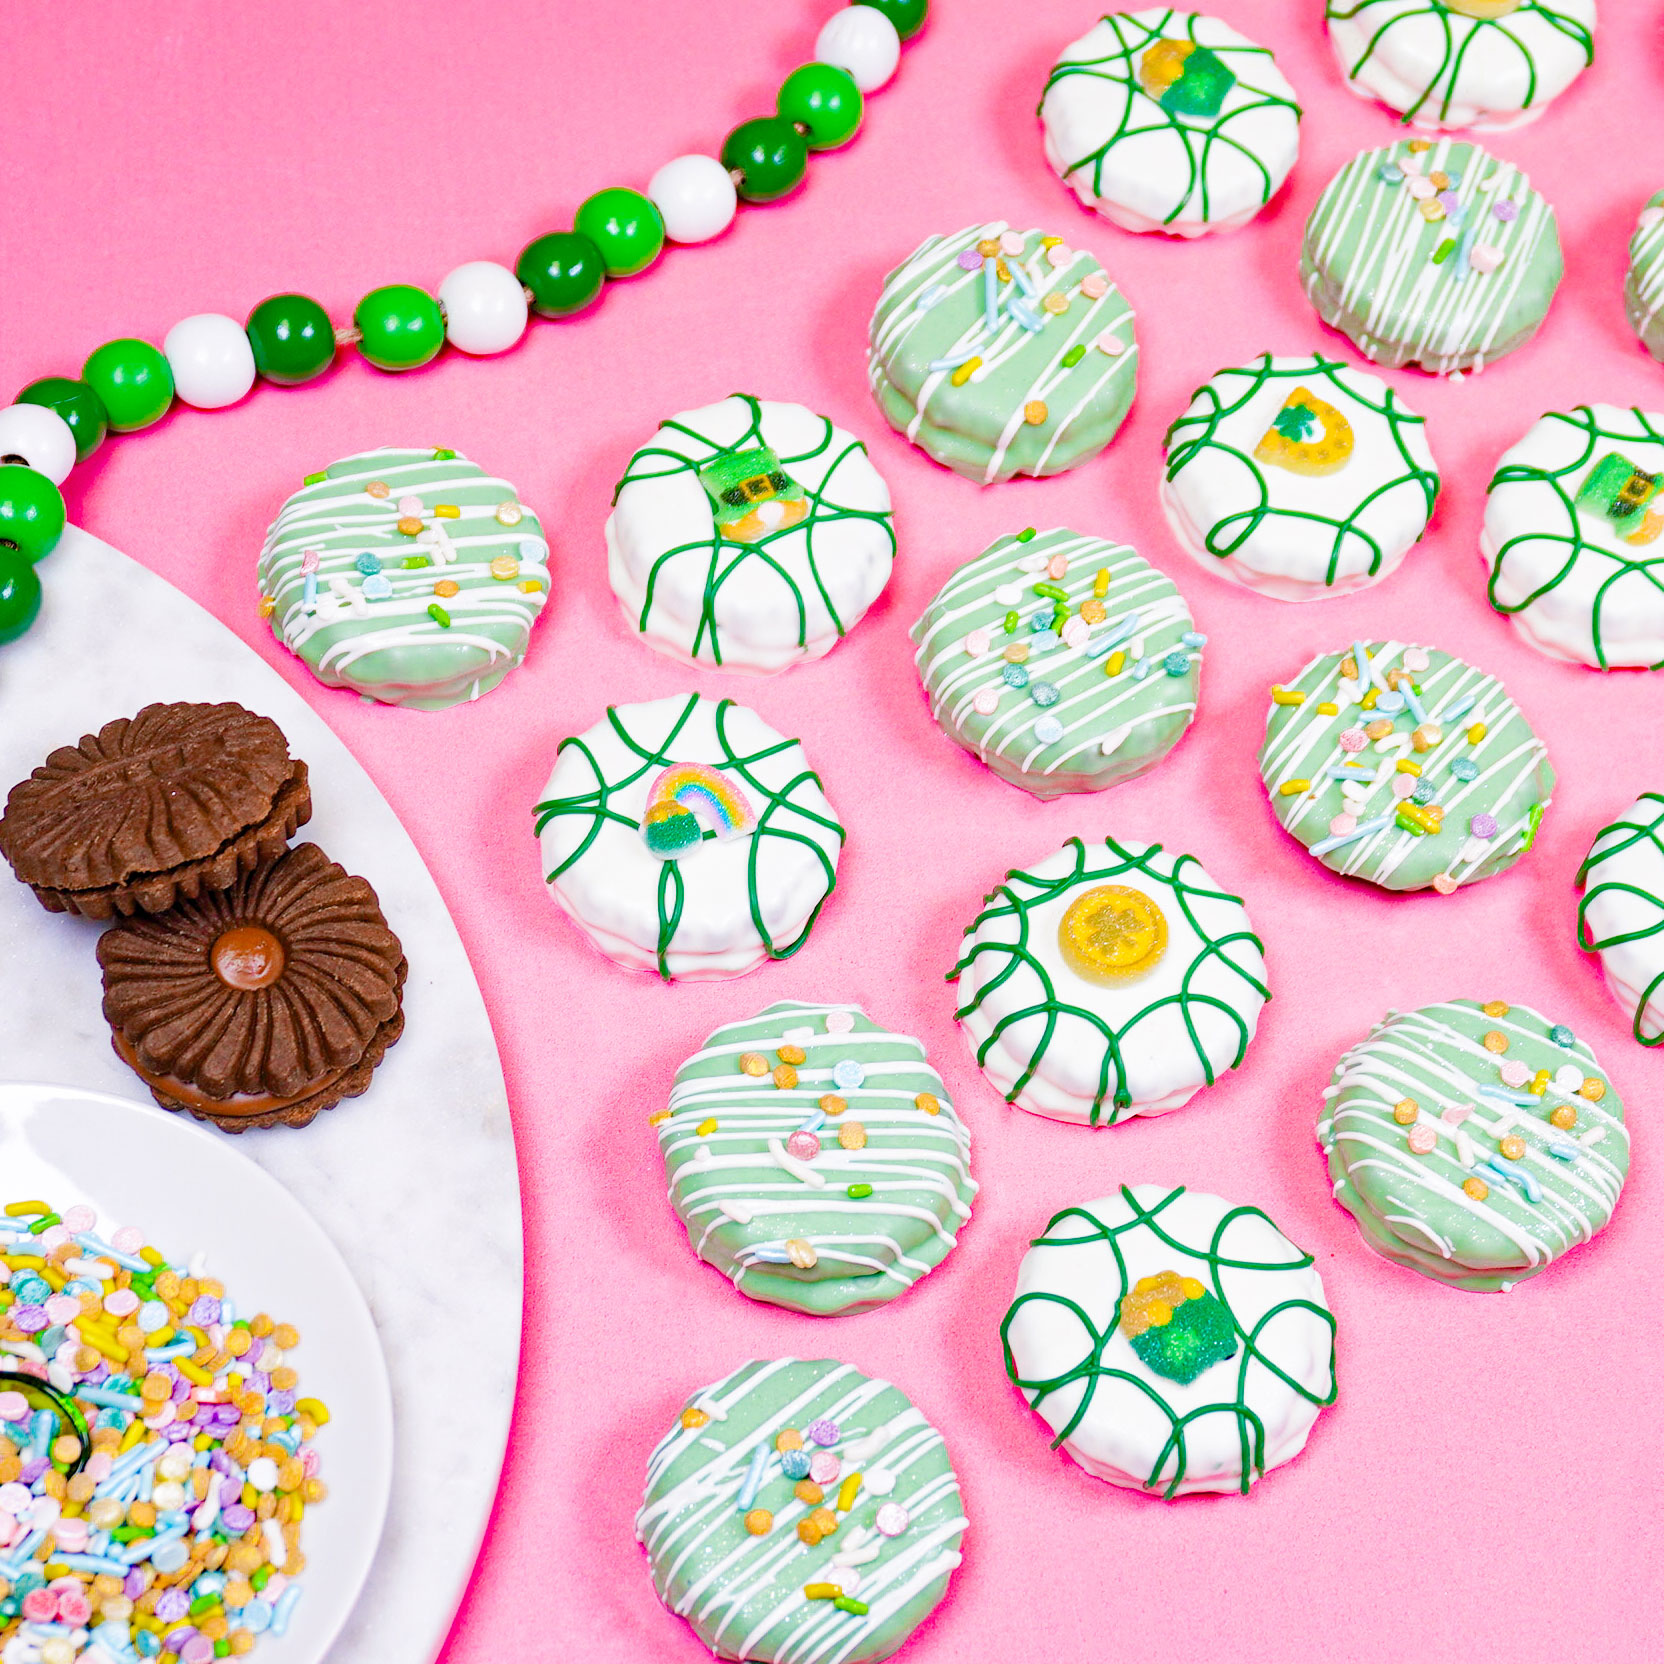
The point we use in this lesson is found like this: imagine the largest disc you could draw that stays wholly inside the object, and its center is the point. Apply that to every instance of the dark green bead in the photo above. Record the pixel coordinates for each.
(19, 595)
(401, 325)
(907, 15)
(77, 404)
(564, 272)
(824, 99)
(625, 227)
(771, 155)
(31, 512)
(132, 381)
(293, 339)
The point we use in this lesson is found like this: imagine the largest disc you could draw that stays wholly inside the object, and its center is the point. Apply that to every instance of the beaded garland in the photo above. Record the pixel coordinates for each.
(210, 361)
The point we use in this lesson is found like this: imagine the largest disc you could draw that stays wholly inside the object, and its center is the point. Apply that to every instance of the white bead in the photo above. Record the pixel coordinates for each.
(41, 437)
(695, 196)
(484, 306)
(211, 360)
(862, 41)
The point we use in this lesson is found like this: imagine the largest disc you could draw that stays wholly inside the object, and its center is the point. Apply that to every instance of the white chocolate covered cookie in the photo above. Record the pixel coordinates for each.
(1621, 913)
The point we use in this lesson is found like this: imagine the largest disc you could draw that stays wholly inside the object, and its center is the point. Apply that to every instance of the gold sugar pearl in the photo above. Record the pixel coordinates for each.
(791, 1054)
(753, 1063)
(692, 1417)
(1495, 1008)
(759, 1522)
(1592, 1089)
(1439, 179)
(1417, 146)
(1349, 668)
(1563, 1116)
(1379, 728)
(826, 1520)
(409, 525)
(1405, 1111)
(1496, 1042)
(808, 1492)
(1513, 1147)
(1093, 610)
(378, 489)
(852, 1135)
(989, 248)
(1002, 271)
(788, 1438)
(785, 1076)
(929, 1103)
(1035, 412)
(1475, 1189)
(831, 1104)
(446, 588)
(808, 1531)
(504, 567)
(268, 605)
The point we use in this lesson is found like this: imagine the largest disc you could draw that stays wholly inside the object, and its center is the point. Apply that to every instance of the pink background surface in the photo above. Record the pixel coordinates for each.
(1487, 1485)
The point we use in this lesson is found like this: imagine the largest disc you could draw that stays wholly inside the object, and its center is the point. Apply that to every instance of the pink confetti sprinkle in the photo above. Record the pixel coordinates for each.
(1422, 1139)
(1110, 344)
(410, 506)
(1076, 631)
(1420, 188)
(1012, 242)
(1343, 826)
(892, 1519)
(13, 1407)
(63, 1308)
(839, 1022)
(804, 1146)
(71, 1535)
(986, 702)
(1445, 884)
(309, 560)
(121, 1302)
(1506, 210)
(54, 1237)
(1403, 785)
(977, 643)
(824, 1467)
(969, 259)
(1483, 826)
(1456, 1114)
(99, 1465)
(1059, 254)
(74, 1608)
(1484, 258)
(1416, 659)
(128, 1240)
(40, 1606)
(849, 1580)
(1409, 164)
(1095, 285)
(1058, 566)
(1515, 1073)
(79, 1218)
(1353, 739)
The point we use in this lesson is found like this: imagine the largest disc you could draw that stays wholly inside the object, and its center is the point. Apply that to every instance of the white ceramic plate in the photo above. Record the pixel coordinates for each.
(191, 1192)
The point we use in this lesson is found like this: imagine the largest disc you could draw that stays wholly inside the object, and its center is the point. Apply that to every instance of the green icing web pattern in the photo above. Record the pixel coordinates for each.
(773, 821)
(1197, 432)
(1564, 482)
(1474, 31)
(723, 557)
(1019, 896)
(1091, 1369)
(1140, 113)
(1612, 840)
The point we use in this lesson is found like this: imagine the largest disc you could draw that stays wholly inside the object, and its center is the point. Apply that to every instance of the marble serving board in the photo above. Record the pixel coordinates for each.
(422, 1162)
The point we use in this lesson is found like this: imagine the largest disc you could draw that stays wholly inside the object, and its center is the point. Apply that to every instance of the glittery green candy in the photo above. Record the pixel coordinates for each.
(1198, 1335)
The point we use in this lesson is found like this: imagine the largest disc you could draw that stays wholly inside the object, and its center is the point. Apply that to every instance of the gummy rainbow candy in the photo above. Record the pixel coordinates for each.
(684, 795)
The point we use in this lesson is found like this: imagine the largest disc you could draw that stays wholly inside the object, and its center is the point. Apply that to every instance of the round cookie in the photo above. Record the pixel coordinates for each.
(1172, 1342)
(1463, 63)
(1298, 477)
(1621, 913)
(1112, 980)
(410, 576)
(1404, 766)
(749, 535)
(1572, 537)
(1434, 254)
(1644, 286)
(816, 1158)
(1473, 1143)
(1002, 352)
(685, 836)
(1164, 120)
(1066, 663)
(768, 1563)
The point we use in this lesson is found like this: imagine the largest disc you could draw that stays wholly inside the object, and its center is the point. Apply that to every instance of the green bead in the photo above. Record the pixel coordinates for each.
(293, 339)
(771, 155)
(31, 512)
(132, 381)
(19, 595)
(401, 325)
(824, 99)
(907, 15)
(625, 227)
(77, 404)
(564, 272)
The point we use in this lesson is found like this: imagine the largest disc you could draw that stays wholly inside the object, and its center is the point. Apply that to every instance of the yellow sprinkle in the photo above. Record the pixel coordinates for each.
(1405, 766)
(1050, 242)
(1002, 271)
(1476, 733)
(706, 1127)
(822, 1591)
(1055, 302)
(693, 1416)
(530, 586)
(24, 1262)
(313, 1407)
(1117, 663)
(1287, 696)
(162, 1336)
(268, 605)
(1417, 146)
(131, 1437)
(1293, 788)
(1328, 708)
(928, 1102)
(446, 511)
(846, 1492)
(111, 1349)
(191, 1373)
(958, 378)
(504, 567)
(658, 1117)
(1367, 703)
(1100, 584)
(150, 1256)
(24, 1210)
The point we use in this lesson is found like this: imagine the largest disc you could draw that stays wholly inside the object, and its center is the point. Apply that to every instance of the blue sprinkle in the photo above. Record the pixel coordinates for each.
(753, 1481)
(1039, 621)
(1015, 676)
(814, 1123)
(1464, 768)
(1193, 638)
(1141, 670)
(368, 563)
(1048, 730)
(377, 587)
(955, 361)
(1391, 703)
(1561, 1035)
(1413, 702)
(1423, 793)
(929, 297)
(1024, 314)
(847, 1074)
(1563, 1150)
(1176, 664)
(794, 1464)
(1043, 693)
(1460, 709)
(1389, 174)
